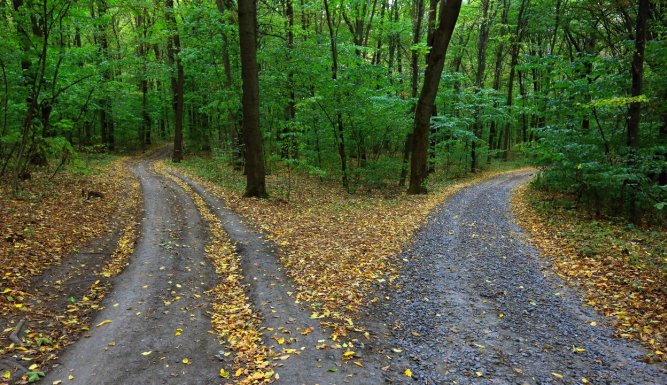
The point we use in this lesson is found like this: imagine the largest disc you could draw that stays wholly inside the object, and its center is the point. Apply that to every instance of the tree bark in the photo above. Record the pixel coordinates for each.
(416, 37)
(254, 155)
(520, 27)
(482, 43)
(177, 81)
(448, 14)
(637, 72)
(339, 116)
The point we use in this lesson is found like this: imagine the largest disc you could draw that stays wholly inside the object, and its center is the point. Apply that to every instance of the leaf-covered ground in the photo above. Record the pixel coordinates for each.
(233, 318)
(336, 246)
(622, 269)
(49, 221)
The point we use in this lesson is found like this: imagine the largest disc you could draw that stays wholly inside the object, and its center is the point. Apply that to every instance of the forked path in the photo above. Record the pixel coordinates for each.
(283, 318)
(158, 307)
(477, 305)
(159, 295)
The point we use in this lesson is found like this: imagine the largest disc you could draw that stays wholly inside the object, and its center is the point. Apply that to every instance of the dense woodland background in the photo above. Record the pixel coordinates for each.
(577, 87)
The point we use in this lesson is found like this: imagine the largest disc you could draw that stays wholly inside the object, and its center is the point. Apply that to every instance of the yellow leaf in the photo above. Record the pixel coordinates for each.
(501, 315)
(258, 375)
(348, 353)
(178, 332)
(269, 374)
(58, 382)
(18, 305)
(70, 377)
(585, 380)
(557, 375)
(408, 372)
(7, 375)
(577, 349)
(146, 353)
(186, 361)
(104, 323)
(594, 323)
(479, 374)
(224, 373)
(32, 367)
(281, 340)
(238, 373)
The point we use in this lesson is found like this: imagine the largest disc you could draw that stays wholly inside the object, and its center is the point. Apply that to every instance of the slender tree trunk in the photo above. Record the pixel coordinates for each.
(339, 115)
(416, 37)
(177, 81)
(254, 154)
(510, 84)
(482, 43)
(448, 14)
(497, 73)
(288, 143)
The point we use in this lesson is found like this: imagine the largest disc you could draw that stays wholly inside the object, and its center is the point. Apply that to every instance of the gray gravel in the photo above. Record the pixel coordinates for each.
(477, 305)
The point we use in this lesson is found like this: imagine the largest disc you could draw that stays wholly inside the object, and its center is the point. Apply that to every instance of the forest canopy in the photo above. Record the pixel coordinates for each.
(577, 87)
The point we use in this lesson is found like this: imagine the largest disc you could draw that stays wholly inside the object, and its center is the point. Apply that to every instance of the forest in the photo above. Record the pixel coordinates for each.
(575, 87)
(369, 177)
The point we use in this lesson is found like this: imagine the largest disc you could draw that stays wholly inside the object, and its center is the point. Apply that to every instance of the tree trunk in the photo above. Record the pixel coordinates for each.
(510, 85)
(448, 14)
(482, 43)
(637, 74)
(497, 73)
(416, 37)
(254, 155)
(177, 81)
(339, 116)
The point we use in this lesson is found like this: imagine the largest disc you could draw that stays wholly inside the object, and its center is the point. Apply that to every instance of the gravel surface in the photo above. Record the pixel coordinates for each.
(477, 305)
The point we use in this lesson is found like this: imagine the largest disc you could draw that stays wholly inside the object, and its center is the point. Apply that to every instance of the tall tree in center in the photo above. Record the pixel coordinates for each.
(448, 14)
(254, 156)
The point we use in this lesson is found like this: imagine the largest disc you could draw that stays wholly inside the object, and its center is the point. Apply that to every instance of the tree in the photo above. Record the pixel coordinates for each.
(177, 80)
(254, 155)
(448, 15)
(637, 72)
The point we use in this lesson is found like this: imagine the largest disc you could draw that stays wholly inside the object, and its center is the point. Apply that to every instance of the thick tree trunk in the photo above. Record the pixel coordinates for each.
(254, 155)
(448, 14)
(637, 72)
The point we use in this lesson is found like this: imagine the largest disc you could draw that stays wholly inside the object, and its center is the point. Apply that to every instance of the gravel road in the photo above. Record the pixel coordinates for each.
(477, 305)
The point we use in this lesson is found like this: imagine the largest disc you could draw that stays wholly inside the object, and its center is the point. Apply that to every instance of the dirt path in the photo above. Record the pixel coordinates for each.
(477, 305)
(273, 295)
(162, 290)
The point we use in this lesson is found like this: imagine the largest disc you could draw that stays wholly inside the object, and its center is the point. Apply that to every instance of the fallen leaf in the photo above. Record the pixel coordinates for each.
(408, 372)
(224, 373)
(146, 353)
(104, 323)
